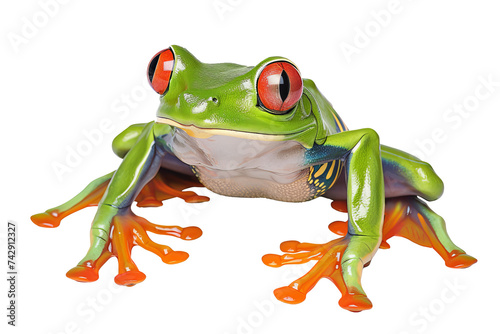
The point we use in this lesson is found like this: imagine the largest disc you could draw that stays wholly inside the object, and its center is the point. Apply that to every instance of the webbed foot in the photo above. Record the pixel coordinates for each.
(130, 230)
(329, 266)
(408, 217)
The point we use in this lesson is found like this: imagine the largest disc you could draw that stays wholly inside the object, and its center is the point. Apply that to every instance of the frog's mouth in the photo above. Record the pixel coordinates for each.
(197, 132)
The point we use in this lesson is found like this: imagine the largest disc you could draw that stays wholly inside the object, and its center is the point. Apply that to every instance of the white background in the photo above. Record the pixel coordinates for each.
(84, 61)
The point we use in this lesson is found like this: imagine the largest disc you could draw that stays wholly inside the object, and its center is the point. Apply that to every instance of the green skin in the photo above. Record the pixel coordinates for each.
(229, 96)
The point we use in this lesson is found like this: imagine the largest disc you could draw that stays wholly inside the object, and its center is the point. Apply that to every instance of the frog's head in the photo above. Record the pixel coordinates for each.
(263, 102)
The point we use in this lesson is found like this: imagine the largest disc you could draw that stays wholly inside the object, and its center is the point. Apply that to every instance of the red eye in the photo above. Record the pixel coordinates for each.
(279, 87)
(160, 70)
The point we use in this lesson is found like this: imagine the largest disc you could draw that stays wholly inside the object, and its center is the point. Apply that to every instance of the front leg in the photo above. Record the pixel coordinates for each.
(365, 204)
(138, 167)
(360, 151)
(115, 229)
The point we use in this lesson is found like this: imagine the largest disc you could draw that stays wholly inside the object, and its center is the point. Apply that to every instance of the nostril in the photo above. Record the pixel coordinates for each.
(215, 100)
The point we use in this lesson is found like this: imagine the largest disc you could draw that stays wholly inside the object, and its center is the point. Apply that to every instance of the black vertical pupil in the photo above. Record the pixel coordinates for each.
(284, 85)
(152, 67)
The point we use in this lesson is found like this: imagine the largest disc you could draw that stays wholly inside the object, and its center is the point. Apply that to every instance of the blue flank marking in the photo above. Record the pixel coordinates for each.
(323, 153)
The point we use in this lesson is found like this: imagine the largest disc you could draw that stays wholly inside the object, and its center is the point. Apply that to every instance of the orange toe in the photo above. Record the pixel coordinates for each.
(130, 278)
(272, 260)
(355, 302)
(338, 227)
(191, 233)
(83, 274)
(46, 220)
(460, 260)
(289, 246)
(289, 295)
(175, 257)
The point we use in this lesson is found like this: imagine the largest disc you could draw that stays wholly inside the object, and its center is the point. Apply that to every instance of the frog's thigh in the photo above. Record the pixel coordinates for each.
(406, 175)
(126, 139)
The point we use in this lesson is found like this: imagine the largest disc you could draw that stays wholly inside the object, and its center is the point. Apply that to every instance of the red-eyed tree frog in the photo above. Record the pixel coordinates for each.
(258, 131)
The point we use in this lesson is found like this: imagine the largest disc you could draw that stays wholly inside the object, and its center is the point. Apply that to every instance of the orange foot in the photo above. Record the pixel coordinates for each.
(130, 230)
(408, 217)
(328, 256)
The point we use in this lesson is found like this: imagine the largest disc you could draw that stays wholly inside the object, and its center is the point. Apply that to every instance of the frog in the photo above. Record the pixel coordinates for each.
(258, 131)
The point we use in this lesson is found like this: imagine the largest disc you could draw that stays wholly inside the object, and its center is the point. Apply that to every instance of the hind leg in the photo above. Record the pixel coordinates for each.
(406, 175)
(411, 218)
(89, 196)
(405, 179)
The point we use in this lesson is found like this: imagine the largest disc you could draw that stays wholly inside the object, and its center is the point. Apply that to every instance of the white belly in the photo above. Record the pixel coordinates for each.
(243, 167)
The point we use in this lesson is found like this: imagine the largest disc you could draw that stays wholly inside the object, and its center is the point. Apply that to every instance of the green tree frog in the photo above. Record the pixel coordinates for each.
(258, 131)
